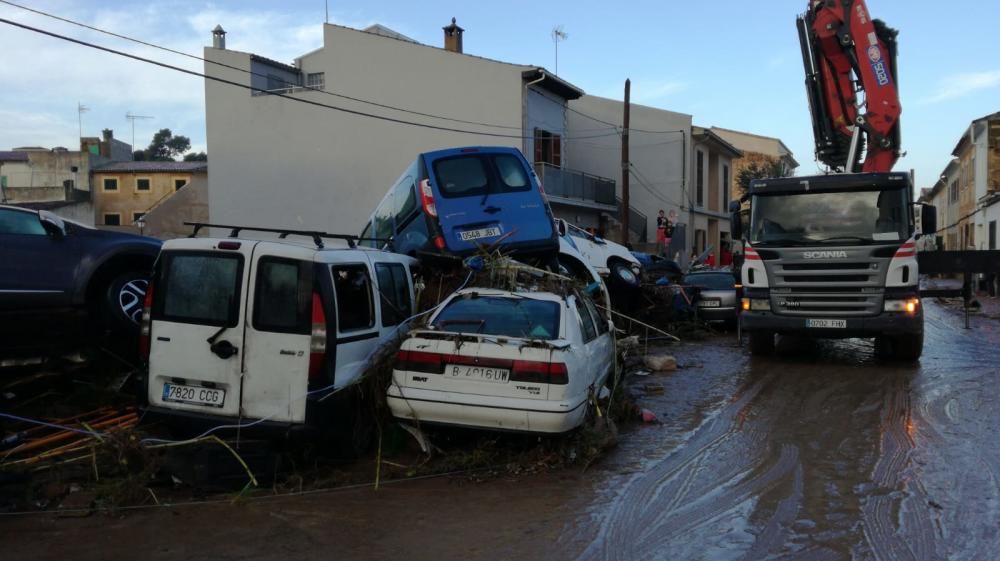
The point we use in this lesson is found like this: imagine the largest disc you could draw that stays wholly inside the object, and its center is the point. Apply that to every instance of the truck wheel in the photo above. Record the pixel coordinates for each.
(761, 343)
(623, 275)
(909, 347)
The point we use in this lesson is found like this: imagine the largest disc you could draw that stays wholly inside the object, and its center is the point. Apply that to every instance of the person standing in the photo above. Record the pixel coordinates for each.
(664, 231)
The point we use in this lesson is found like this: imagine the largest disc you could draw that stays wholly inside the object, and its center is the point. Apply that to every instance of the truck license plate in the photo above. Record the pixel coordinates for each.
(478, 373)
(827, 323)
(482, 233)
(194, 395)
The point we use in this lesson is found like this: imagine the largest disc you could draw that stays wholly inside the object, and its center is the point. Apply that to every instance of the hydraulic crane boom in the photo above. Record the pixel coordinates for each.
(846, 53)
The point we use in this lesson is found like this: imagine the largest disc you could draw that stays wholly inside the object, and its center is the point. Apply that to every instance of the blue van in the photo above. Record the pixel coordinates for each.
(453, 201)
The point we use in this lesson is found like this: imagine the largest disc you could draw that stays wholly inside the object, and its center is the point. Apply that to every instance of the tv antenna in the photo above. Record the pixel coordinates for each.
(558, 34)
(132, 118)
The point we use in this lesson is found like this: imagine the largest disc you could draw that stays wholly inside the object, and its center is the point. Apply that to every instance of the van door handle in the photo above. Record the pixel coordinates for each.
(224, 349)
(491, 209)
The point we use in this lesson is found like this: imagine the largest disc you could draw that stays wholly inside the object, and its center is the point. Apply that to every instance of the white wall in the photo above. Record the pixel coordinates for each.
(657, 158)
(279, 163)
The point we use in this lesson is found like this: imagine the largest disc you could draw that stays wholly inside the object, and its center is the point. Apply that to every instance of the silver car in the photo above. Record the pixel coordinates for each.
(717, 300)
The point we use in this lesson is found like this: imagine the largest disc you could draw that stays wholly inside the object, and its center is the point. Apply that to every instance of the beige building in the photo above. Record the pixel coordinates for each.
(710, 190)
(125, 191)
(753, 147)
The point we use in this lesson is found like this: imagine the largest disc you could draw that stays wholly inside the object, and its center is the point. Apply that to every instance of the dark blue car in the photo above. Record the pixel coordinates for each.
(457, 200)
(60, 280)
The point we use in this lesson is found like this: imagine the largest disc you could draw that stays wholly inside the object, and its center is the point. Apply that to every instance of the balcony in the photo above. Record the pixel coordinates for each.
(575, 186)
(571, 187)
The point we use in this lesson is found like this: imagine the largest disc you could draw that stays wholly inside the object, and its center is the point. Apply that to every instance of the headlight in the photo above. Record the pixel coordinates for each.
(910, 305)
(756, 304)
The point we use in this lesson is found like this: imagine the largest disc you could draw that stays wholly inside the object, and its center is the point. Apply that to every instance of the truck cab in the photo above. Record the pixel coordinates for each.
(833, 256)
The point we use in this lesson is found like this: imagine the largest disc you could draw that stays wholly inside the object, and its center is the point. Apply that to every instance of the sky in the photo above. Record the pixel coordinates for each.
(732, 64)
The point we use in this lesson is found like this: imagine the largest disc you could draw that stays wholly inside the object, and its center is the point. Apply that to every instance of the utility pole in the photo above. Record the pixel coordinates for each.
(626, 235)
(132, 118)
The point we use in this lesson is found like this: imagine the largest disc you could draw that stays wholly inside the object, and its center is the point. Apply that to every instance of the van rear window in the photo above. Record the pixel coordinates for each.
(501, 315)
(480, 174)
(200, 288)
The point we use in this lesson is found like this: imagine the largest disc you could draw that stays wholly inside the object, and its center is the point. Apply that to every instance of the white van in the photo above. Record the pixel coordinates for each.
(242, 330)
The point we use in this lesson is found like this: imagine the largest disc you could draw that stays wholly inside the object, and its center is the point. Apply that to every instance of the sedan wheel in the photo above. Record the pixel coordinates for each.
(131, 296)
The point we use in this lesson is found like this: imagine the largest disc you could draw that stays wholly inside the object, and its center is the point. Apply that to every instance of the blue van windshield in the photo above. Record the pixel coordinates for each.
(480, 174)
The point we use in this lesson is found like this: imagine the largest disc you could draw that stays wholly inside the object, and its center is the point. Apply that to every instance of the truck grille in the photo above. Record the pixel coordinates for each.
(803, 288)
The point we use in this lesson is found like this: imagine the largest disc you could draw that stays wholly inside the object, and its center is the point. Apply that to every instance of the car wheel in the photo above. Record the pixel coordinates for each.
(623, 275)
(124, 299)
(761, 343)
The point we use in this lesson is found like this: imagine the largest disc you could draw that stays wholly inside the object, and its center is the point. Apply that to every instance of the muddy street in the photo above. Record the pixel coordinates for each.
(819, 453)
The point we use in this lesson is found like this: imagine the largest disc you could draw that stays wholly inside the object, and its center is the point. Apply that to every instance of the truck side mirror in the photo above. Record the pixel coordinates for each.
(735, 221)
(928, 219)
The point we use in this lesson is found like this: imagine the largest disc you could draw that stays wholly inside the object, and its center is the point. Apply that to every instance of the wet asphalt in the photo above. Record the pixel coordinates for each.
(821, 452)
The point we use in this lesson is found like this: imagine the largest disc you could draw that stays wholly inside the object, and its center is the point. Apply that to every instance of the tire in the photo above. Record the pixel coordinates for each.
(909, 347)
(123, 299)
(622, 275)
(761, 343)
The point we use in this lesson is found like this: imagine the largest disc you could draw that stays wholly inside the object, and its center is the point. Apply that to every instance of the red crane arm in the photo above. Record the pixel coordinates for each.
(846, 52)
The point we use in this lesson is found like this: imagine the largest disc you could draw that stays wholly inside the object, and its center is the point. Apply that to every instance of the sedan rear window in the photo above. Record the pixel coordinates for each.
(720, 281)
(200, 288)
(501, 315)
(480, 174)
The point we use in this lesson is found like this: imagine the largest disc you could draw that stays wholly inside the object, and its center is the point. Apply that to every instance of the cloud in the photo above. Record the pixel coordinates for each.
(961, 85)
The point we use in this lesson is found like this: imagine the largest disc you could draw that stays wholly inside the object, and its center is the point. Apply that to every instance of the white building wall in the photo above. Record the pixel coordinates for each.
(657, 159)
(279, 163)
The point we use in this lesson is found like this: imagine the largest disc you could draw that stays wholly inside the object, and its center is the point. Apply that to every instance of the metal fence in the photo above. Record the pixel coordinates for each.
(571, 184)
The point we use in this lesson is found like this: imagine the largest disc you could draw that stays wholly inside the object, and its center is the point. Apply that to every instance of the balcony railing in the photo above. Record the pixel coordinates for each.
(571, 184)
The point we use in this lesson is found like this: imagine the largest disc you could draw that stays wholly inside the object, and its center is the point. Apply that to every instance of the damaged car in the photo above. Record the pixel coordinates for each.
(505, 360)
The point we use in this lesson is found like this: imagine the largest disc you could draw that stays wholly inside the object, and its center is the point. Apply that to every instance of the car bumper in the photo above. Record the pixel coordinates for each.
(497, 413)
(716, 314)
(883, 324)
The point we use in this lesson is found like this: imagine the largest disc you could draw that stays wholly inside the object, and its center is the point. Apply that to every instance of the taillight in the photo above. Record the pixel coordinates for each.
(750, 254)
(540, 372)
(427, 198)
(419, 361)
(146, 323)
(439, 242)
(317, 342)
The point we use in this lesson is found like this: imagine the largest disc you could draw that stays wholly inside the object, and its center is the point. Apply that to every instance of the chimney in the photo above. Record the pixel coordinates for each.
(218, 37)
(453, 37)
(108, 134)
(105, 146)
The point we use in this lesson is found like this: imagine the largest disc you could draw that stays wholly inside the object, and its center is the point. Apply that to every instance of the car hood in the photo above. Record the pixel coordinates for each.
(123, 237)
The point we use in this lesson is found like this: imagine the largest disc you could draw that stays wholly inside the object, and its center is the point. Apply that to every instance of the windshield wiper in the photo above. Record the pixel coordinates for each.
(782, 241)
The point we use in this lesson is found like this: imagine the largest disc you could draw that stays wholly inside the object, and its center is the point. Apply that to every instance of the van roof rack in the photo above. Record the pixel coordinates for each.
(317, 236)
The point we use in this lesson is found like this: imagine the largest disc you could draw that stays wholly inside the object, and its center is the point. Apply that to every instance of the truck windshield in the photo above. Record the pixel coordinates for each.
(841, 218)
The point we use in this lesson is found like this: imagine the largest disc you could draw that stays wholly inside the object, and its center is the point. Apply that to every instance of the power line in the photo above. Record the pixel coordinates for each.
(610, 124)
(252, 73)
(276, 94)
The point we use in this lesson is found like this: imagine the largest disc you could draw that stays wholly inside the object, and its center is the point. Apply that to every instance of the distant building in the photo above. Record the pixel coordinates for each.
(125, 191)
(710, 191)
(754, 144)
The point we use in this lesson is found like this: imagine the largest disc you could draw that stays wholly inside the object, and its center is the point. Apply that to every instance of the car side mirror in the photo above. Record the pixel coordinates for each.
(928, 219)
(561, 226)
(53, 225)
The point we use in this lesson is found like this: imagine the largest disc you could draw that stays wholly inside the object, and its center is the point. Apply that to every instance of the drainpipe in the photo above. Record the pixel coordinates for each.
(524, 115)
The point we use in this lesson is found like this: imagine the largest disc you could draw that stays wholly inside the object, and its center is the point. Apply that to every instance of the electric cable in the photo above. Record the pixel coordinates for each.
(276, 94)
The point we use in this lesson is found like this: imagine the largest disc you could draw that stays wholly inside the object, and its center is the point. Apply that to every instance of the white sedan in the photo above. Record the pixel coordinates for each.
(494, 359)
